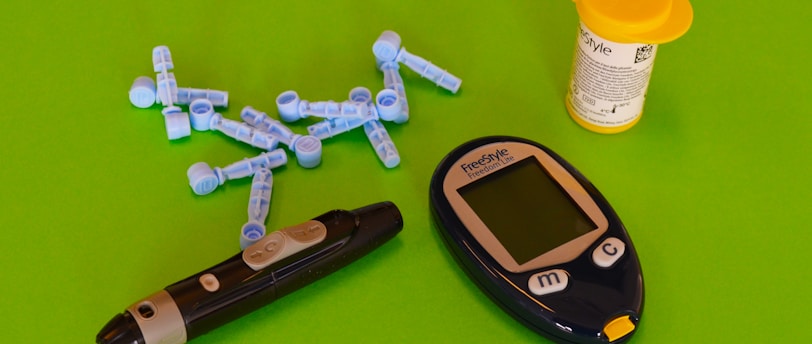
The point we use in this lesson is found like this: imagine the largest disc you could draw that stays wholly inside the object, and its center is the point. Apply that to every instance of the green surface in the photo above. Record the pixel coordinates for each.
(712, 183)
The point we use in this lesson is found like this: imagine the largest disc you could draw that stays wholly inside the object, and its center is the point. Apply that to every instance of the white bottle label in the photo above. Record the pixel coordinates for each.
(609, 80)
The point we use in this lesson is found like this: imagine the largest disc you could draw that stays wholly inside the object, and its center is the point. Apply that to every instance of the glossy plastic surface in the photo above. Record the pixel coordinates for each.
(593, 297)
(637, 21)
(239, 289)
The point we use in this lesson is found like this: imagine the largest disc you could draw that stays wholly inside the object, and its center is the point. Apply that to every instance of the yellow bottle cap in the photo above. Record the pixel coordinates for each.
(636, 21)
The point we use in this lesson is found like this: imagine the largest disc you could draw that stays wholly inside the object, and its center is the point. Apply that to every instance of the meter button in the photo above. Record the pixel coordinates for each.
(608, 252)
(548, 282)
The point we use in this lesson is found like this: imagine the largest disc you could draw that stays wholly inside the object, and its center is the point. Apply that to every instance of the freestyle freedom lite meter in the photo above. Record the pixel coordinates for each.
(539, 239)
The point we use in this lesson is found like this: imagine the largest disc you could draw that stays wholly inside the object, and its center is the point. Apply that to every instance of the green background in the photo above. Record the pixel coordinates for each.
(713, 183)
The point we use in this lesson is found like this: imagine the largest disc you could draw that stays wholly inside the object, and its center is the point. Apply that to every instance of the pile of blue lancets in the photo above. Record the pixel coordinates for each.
(264, 132)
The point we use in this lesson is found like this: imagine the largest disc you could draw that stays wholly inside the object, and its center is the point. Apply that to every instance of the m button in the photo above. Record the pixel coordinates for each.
(548, 282)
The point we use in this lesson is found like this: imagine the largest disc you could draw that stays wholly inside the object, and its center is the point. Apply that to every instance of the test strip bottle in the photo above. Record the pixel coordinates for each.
(614, 56)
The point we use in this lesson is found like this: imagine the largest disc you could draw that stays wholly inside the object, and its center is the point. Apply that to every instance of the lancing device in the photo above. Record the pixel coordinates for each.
(276, 265)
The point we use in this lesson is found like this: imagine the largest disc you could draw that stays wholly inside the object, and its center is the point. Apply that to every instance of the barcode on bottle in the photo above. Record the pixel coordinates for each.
(644, 53)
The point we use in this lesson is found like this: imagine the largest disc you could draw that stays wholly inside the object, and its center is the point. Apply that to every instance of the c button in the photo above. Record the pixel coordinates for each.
(608, 252)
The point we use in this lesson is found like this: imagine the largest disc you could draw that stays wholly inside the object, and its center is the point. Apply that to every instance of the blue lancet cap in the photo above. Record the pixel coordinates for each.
(142, 92)
(288, 104)
(387, 45)
(200, 112)
(388, 105)
(250, 233)
(177, 123)
(360, 95)
(202, 178)
(308, 151)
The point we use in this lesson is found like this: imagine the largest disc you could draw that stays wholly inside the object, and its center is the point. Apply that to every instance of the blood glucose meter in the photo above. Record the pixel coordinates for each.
(539, 239)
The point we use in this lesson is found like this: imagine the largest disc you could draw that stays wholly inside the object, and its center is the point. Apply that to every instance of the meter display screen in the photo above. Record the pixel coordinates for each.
(526, 209)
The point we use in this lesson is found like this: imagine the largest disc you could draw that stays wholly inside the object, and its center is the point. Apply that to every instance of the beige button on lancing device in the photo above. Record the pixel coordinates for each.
(209, 282)
(284, 243)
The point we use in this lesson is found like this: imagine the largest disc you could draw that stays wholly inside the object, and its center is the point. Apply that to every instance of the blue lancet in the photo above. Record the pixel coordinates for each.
(167, 85)
(307, 148)
(330, 109)
(386, 106)
(358, 110)
(243, 132)
(161, 59)
(168, 91)
(334, 126)
(258, 204)
(204, 179)
(186, 95)
(389, 107)
(292, 108)
(387, 48)
(382, 143)
(177, 121)
(393, 81)
(262, 121)
(429, 71)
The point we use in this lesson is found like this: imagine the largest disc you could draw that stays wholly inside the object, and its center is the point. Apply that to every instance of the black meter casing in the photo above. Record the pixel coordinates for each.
(585, 288)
